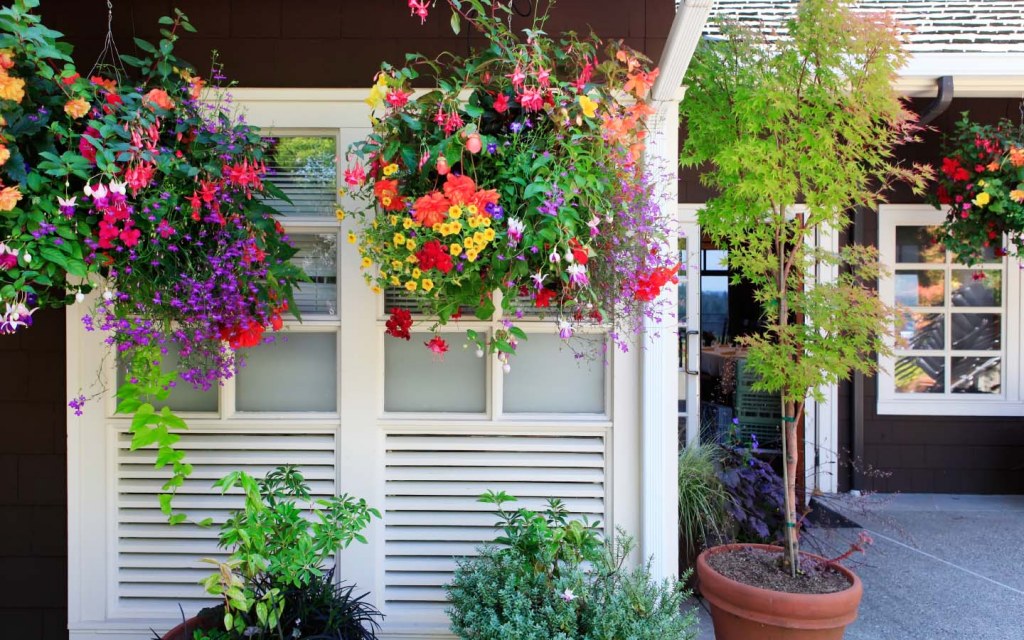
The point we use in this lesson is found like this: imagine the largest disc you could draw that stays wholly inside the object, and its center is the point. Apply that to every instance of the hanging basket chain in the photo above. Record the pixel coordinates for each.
(109, 57)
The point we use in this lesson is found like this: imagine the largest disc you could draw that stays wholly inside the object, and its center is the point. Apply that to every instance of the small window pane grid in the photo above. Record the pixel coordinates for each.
(953, 333)
(565, 380)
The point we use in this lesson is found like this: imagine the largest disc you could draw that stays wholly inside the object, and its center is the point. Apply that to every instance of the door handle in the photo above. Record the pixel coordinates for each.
(686, 352)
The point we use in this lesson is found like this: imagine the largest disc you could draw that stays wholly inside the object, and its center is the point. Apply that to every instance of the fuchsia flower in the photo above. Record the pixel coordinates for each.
(398, 98)
(517, 77)
(531, 99)
(419, 9)
(501, 103)
(8, 257)
(437, 346)
(355, 176)
(67, 206)
(516, 227)
(577, 275)
(165, 229)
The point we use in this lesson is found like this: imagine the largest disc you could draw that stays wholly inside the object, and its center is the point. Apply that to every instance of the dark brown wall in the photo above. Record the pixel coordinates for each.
(33, 495)
(934, 454)
(327, 43)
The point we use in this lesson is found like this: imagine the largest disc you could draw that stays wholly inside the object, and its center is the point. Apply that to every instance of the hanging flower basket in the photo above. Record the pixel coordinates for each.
(519, 175)
(981, 183)
(124, 179)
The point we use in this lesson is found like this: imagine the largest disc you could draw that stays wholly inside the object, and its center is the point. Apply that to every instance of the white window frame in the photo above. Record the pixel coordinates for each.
(1010, 402)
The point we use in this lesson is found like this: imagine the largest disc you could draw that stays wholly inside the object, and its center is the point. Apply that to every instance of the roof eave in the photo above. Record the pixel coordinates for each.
(975, 75)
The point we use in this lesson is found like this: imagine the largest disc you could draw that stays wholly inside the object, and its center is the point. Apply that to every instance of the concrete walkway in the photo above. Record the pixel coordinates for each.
(942, 567)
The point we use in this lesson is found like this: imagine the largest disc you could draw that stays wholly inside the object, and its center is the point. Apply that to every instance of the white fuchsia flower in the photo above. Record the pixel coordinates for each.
(538, 279)
(515, 231)
(578, 275)
(67, 206)
(564, 330)
(118, 187)
(554, 258)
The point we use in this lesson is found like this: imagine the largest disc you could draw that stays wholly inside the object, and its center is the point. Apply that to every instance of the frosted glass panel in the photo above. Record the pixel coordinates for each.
(183, 397)
(547, 377)
(417, 381)
(318, 257)
(296, 372)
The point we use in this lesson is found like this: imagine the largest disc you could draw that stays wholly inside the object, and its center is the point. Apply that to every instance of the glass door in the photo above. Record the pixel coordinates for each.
(689, 328)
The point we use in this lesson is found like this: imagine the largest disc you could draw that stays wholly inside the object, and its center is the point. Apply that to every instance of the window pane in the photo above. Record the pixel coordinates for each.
(977, 288)
(918, 244)
(305, 168)
(976, 375)
(920, 375)
(415, 380)
(550, 376)
(295, 372)
(923, 331)
(714, 308)
(318, 257)
(976, 331)
(716, 260)
(183, 396)
(920, 288)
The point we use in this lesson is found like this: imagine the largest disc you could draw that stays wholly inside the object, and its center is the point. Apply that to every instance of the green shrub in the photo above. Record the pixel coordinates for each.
(549, 578)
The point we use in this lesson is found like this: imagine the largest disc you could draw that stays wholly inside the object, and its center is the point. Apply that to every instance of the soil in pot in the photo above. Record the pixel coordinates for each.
(761, 568)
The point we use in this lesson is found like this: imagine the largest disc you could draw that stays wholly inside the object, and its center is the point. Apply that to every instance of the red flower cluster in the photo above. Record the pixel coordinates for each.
(648, 287)
(399, 323)
(434, 256)
(952, 168)
(241, 337)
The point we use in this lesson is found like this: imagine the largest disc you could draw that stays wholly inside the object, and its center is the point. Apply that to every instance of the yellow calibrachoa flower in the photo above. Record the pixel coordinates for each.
(395, 281)
(427, 284)
(455, 249)
(472, 210)
(455, 211)
(487, 222)
(412, 259)
(982, 199)
(376, 289)
(589, 106)
(408, 223)
(390, 169)
(392, 220)
(471, 255)
(489, 235)
(339, 214)
(398, 239)
(416, 273)
(410, 245)
(478, 238)
(436, 228)
(366, 263)
(411, 285)
(396, 264)
(469, 243)
(351, 237)
(456, 226)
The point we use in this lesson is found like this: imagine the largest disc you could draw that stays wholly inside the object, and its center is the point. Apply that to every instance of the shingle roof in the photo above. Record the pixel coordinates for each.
(939, 26)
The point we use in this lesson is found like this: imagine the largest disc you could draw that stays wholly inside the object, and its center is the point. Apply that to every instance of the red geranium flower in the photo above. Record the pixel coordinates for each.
(437, 346)
(399, 323)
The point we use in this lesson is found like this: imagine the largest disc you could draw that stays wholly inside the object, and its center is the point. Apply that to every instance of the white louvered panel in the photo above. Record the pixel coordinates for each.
(158, 566)
(312, 193)
(432, 514)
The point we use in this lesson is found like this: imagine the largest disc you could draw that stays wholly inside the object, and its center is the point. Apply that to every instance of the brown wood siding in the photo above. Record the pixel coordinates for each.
(33, 486)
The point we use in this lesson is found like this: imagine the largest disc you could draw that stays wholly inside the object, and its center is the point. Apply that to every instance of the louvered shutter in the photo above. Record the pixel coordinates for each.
(158, 566)
(432, 515)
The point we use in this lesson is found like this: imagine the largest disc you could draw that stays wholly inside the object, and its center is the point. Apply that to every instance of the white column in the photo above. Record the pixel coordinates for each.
(659, 492)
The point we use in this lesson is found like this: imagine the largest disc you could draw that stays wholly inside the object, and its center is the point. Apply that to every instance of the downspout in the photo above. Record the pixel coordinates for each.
(659, 477)
(942, 100)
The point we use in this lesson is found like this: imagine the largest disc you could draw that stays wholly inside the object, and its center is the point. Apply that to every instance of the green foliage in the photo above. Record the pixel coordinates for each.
(279, 543)
(548, 578)
(702, 498)
(807, 119)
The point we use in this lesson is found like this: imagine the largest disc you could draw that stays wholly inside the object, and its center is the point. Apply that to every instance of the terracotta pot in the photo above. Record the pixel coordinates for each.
(743, 612)
(184, 630)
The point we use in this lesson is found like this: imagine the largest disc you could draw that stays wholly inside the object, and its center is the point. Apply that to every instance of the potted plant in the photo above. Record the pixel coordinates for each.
(981, 184)
(274, 585)
(516, 182)
(551, 578)
(807, 118)
(703, 502)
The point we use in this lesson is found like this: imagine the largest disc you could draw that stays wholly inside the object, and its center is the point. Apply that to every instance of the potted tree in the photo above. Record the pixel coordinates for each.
(794, 131)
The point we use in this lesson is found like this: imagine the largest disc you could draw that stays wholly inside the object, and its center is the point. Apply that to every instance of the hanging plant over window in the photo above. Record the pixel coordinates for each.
(520, 174)
(124, 179)
(981, 184)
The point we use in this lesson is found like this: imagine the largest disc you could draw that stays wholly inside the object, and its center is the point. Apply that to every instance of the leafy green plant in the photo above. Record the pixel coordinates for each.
(279, 545)
(702, 498)
(550, 578)
(809, 118)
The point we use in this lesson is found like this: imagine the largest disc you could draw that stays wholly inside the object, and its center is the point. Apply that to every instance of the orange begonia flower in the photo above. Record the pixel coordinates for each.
(431, 209)
(159, 98)
(5, 154)
(11, 88)
(9, 197)
(76, 108)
